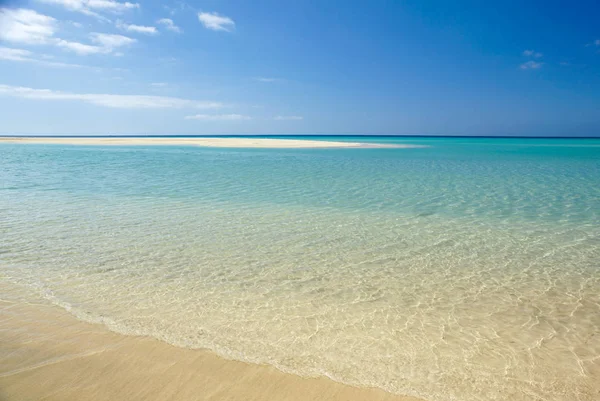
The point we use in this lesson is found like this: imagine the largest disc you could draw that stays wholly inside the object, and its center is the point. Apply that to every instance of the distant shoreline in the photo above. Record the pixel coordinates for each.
(281, 136)
(220, 142)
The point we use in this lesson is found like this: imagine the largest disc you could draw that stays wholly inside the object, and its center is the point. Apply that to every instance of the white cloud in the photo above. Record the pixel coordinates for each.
(216, 22)
(106, 4)
(111, 41)
(148, 30)
(169, 24)
(288, 118)
(597, 42)
(532, 53)
(531, 65)
(30, 27)
(108, 100)
(218, 117)
(267, 79)
(21, 55)
(179, 6)
(104, 43)
(81, 48)
(7, 53)
(86, 6)
(26, 26)
(171, 10)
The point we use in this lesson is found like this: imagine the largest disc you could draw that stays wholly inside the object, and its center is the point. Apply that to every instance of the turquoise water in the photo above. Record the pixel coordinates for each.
(465, 270)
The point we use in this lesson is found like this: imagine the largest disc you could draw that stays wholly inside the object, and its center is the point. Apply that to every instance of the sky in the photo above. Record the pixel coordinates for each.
(77, 67)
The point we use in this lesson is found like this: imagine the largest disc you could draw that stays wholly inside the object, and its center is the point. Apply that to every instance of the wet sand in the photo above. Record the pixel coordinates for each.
(47, 354)
(209, 142)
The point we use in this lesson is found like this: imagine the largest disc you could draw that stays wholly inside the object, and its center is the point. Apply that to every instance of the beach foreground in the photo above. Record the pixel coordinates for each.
(62, 358)
(209, 142)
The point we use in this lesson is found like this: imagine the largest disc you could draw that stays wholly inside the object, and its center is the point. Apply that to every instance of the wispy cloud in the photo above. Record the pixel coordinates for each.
(111, 42)
(81, 48)
(218, 117)
(108, 100)
(148, 30)
(104, 43)
(29, 27)
(159, 84)
(288, 118)
(169, 24)
(216, 22)
(26, 26)
(532, 53)
(179, 6)
(268, 79)
(26, 56)
(7, 53)
(90, 7)
(531, 65)
(109, 5)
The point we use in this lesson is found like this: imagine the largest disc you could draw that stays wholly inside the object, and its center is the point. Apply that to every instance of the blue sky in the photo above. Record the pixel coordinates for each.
(294, 67)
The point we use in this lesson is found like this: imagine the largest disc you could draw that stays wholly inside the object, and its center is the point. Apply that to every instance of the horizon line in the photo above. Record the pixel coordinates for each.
(293, 135)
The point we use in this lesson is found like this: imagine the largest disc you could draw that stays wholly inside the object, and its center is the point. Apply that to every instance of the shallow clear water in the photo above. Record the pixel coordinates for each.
(466, 270)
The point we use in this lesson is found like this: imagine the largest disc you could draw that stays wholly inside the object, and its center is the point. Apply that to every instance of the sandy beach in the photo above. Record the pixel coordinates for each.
(208, 142)
(48, 354)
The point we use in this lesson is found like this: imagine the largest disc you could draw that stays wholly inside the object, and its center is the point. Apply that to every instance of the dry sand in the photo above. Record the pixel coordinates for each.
(47, 354)
(211, 142)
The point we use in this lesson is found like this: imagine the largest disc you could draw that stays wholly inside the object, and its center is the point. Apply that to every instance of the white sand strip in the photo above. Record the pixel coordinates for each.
(211, 142)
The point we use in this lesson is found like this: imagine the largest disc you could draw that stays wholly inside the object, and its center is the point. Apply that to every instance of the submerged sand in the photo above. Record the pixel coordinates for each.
(210, 142)
(47, 354)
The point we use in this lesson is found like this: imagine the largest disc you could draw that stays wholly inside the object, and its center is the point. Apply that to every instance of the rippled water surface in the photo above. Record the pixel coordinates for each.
(466, 270)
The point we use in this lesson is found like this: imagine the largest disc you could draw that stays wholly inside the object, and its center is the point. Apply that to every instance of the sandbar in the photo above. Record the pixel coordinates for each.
(204, 141)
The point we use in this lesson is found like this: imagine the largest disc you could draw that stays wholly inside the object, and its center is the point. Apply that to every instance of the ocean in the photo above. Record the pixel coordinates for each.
(463, 269)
